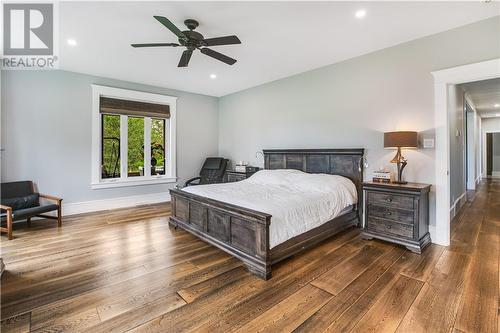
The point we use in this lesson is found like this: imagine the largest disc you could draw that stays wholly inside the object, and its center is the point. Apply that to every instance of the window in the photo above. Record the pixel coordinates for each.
(133, 138)
(135, 146)
(110, 146)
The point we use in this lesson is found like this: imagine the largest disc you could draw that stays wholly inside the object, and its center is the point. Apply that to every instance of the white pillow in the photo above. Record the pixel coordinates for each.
(274, 177)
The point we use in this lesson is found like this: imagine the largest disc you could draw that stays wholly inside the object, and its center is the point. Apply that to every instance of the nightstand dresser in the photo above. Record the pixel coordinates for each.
(397, 213)
(236, 176)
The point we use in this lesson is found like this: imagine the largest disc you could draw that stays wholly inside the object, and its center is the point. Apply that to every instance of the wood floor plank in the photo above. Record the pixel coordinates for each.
(137, 316)
(420, 266)
(331, 311)
(190, 316)
(211, 313)
(386, 314)
(17, 324)
(128, 295)
(336, 279)
(477, 311)
(435, 307)
(355, 312)
(289, 313)
(201, 289)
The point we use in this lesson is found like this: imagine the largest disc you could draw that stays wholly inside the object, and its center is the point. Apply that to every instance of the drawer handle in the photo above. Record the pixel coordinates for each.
(388, 213)
(389, 199)
(388, 226)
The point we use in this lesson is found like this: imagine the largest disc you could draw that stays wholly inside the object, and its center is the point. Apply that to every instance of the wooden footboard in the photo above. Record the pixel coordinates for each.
(242, 232)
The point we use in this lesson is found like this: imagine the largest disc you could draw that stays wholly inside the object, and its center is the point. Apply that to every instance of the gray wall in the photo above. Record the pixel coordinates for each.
(351, 103)
(457, 142)
(46, 132)
(496, 152)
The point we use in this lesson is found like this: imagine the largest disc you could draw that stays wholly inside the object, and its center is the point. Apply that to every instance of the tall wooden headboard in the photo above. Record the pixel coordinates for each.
(343, 162)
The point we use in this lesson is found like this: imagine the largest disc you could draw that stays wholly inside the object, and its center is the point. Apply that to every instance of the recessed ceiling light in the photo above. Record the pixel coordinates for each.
(360, 13)
(497, 105)
(71, 42)
(213, 76)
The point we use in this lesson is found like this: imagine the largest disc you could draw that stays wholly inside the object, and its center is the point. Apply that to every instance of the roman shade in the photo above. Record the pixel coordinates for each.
(133, 108)
(403, 139)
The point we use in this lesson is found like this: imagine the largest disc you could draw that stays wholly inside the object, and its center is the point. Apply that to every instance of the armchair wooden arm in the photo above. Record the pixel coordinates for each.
(7, 208)
(8, 229)
(50, 197)
(59, 209)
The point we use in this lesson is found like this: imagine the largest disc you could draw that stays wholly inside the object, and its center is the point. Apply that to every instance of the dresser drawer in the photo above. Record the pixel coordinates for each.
(390, 199)
(390, 213)
(391, 228)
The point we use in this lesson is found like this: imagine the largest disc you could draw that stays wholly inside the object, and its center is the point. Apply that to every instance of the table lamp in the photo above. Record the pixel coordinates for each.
(400, 139)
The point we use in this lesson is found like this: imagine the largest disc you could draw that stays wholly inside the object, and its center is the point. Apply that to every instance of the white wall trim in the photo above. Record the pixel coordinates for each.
(458, 200)
(495, 174)
(457, 205)
(440, 233)
(113, 203)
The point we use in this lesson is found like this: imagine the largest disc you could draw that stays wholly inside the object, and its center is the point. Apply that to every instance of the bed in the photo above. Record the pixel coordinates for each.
(235, 216)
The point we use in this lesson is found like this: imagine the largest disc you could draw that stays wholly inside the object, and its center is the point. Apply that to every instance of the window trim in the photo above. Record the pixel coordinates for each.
(170, 130)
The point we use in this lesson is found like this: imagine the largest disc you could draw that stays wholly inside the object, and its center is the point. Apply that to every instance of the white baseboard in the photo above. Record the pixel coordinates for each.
(113, 203)
(459, 202)
(495, 174)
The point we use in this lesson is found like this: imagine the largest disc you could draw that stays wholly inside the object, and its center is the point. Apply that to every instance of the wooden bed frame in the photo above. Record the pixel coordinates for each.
(244, 233)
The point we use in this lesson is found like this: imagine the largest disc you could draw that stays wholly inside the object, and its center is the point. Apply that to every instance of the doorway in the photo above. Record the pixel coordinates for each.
(440, 231)
(492, 145)
(489, 154)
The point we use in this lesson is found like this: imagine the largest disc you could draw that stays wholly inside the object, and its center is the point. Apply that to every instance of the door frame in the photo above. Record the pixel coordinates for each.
(440, 233)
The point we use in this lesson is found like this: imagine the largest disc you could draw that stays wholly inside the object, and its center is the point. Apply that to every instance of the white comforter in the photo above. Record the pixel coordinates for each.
(297, 201)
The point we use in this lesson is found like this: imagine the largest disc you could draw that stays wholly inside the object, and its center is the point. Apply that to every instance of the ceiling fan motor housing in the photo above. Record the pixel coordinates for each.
(194, 39)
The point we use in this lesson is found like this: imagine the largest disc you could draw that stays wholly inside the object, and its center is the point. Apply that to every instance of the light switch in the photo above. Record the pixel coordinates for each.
(428, 143)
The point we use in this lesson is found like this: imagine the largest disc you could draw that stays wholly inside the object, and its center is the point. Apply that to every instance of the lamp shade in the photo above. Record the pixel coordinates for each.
(402, 139)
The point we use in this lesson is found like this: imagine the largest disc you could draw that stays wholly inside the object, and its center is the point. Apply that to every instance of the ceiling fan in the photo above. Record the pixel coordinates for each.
(193, 40)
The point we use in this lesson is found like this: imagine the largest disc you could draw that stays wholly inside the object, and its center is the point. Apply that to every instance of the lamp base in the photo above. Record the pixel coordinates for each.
(401, 182)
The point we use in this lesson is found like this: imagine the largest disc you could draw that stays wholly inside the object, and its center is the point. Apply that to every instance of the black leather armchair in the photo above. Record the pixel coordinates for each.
(19, 201)
(211, 172)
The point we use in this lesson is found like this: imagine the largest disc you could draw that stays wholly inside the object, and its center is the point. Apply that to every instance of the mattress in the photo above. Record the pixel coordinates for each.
(297, 201)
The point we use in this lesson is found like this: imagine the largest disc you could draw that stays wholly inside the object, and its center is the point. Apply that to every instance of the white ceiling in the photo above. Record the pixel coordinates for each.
(279, 39)
(485, 94)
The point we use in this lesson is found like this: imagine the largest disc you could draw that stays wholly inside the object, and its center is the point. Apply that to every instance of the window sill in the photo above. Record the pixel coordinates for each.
(133, 182)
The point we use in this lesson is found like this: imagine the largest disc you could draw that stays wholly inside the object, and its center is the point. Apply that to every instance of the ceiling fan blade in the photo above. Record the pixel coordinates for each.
(186, 55)
(170, 26)
(218, 56)
(226, 40)
(154, 44)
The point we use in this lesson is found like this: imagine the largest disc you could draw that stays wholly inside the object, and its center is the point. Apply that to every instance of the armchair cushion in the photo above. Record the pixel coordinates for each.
(31, 200)
(16, 189)
(212, 163)
(32, 211)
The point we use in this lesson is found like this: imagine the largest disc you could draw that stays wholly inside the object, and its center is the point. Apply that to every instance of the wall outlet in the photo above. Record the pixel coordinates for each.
(428, 143)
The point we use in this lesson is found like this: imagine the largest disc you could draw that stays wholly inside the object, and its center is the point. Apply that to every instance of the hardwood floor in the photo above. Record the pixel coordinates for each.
(127, 270)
